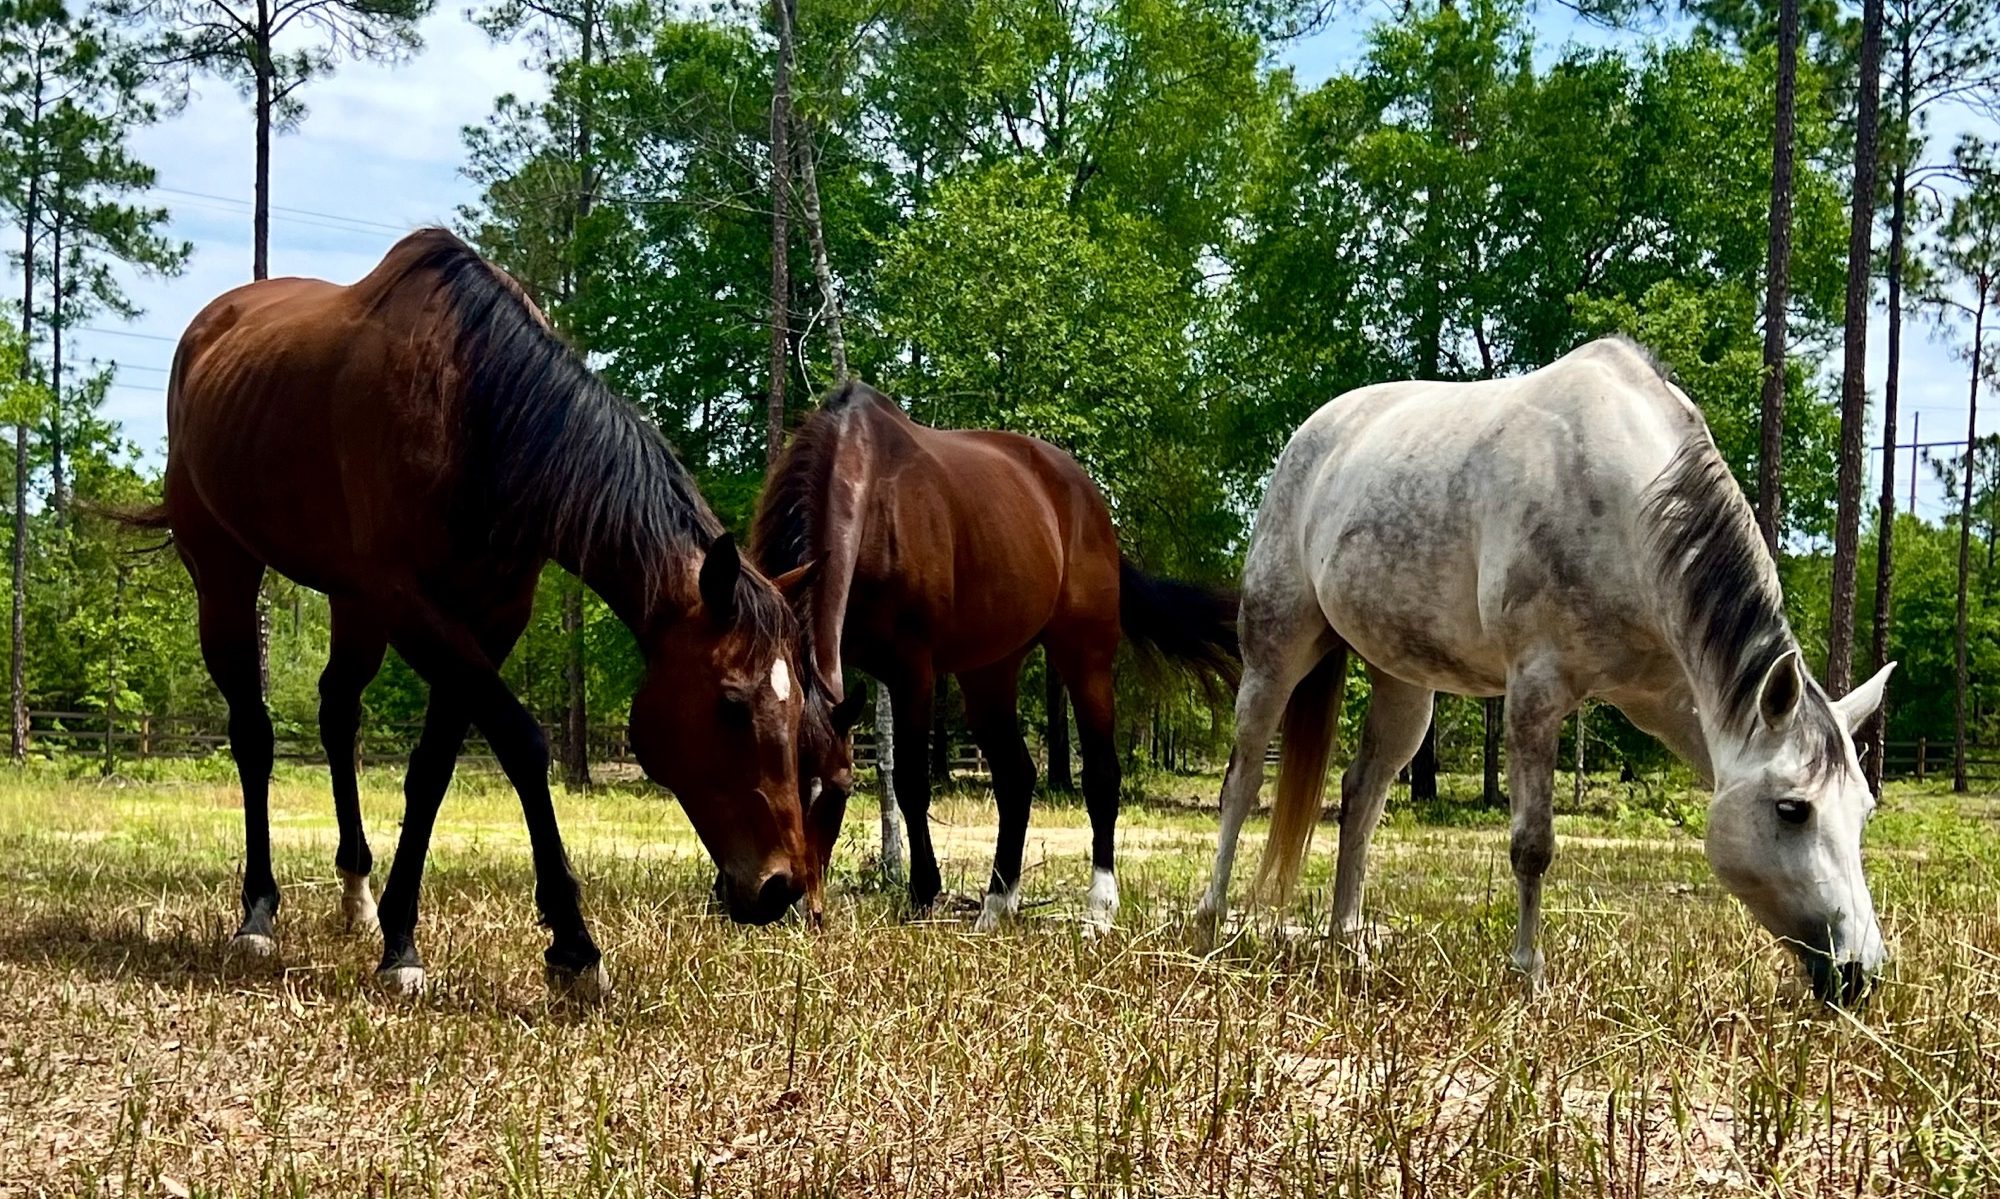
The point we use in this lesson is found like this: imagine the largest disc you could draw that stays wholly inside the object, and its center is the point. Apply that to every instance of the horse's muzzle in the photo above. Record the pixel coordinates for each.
(1842, 984)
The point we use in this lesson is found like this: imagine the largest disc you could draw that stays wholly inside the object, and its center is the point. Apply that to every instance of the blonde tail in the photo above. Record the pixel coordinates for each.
(1312, 716)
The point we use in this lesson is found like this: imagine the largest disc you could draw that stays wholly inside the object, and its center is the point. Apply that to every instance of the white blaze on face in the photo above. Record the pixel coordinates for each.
(781, 679)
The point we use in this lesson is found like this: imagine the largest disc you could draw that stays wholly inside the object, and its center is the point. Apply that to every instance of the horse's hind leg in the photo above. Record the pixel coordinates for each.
(1284, 636)
(228, 579)
(1538, 700)
(352, 662)
(1087, 670)
(992, 696)
(1399, 713)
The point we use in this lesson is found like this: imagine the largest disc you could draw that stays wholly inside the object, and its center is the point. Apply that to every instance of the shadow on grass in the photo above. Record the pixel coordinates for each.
(120, 950)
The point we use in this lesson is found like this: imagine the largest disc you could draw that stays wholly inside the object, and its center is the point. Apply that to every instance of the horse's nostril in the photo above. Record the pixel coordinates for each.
(776, 895)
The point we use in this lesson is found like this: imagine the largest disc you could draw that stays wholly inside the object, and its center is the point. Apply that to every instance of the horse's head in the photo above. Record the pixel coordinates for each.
(717, 721)
(1784, 828)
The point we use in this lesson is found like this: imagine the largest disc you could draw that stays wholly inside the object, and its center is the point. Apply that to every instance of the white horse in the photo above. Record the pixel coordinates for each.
(1566, 534)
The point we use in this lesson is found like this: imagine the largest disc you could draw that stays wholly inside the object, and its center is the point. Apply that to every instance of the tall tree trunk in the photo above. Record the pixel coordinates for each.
(1495, 712)
(836, 338)
(1854, 366)
(1875, 735)
(1424, 767)
(576, 708)
(59, 481)
(1777, 282)
(260, 208)
(1961, 681)
(17, 673)
(940, 729)
(885, 760)
(781, 204)
(116, 669)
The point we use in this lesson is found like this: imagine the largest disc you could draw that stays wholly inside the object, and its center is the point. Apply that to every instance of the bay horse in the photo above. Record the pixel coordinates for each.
(1567, 533)
(417, 445)
(956, 552)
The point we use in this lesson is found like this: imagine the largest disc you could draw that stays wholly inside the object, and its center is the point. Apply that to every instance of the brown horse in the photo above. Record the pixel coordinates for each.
(935, 551)
(417, 445)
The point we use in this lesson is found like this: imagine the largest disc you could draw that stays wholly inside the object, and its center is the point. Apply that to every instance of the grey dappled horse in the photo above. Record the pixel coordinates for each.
(1566, 534)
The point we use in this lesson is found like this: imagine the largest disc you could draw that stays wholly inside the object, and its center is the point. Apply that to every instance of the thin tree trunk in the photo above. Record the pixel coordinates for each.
(1961, 681)
(1876, 731)
(822, 269)
(260, 210)
(781, 204)
(17, 673)
(116, 669)
(1495, 711)
(1056, 733)
(59, 482)
(1777, 283)
(576, 711)
(940, 730)
(885, 760)
(1854, 367)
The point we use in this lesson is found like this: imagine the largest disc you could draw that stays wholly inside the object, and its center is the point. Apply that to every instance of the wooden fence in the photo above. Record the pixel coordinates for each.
(139, 737)
(146, 736)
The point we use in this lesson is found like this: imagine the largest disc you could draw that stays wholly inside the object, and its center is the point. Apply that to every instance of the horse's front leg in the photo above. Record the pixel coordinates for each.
(1537, 702)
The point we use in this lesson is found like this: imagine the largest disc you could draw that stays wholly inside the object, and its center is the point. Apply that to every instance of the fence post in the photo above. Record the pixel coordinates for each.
(1920, 758)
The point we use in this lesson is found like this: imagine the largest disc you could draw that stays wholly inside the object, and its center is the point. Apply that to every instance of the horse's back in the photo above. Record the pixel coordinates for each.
(1019, 537)
(299, 424)
(1446, 528)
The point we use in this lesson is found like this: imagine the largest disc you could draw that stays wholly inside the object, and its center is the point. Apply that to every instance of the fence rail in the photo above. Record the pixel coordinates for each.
(146, 736)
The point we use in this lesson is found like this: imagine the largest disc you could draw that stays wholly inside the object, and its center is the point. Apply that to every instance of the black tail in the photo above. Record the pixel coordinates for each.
(132, 516)
(1194, 626)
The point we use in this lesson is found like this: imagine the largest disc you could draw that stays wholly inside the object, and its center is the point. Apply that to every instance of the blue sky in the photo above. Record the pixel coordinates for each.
(379, 153)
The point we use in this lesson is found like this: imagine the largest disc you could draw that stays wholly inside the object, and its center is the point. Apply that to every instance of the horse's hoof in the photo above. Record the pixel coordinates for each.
(251, 947)
(405, 981)
(590, 985)
(995, 909)
(357, 904)
(1096, 925)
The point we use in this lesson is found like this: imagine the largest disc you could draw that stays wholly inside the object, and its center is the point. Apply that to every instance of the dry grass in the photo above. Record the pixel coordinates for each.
(1673, 1054)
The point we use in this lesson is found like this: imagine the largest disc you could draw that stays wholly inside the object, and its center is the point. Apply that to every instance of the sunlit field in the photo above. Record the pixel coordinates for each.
(1675, 1052)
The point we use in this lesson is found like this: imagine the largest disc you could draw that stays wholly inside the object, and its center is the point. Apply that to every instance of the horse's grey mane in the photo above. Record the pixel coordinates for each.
(1660, 369)
(1710, 558)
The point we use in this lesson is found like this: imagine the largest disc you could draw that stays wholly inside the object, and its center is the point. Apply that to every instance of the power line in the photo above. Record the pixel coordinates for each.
(302, 212)
(126, 333)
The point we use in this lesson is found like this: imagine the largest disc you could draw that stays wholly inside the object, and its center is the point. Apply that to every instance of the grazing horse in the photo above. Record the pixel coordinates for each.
(1572, 532)
(935, 551)
(417, 445)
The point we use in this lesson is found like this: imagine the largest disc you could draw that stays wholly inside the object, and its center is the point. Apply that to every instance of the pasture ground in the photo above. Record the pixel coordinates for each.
(1674, 1053)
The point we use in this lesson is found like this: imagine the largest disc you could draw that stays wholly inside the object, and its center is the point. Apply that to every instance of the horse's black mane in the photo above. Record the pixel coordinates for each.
(1710, 558)
(554, 460)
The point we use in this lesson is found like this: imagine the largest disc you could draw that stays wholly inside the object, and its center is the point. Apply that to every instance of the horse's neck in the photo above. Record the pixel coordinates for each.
(840, 524)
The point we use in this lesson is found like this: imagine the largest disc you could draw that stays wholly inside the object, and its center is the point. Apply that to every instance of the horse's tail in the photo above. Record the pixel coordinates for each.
(1312, 716)
(144, 516)
(1190, 624)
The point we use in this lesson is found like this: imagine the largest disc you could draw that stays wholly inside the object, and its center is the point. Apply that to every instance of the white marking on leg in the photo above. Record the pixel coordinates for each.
(1102, 905)
(401, 980)
(357, 903)
(781, 679)
(251, 945)
(997, 908)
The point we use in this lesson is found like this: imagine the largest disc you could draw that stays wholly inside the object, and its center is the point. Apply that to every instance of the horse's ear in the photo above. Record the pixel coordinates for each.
(719, 572)
(1858, 705)
(794, 582)
(1781, 691)
(848, 710)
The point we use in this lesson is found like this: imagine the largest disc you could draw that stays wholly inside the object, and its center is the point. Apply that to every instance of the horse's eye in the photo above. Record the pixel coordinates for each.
(736, 711)
(1794, 811)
